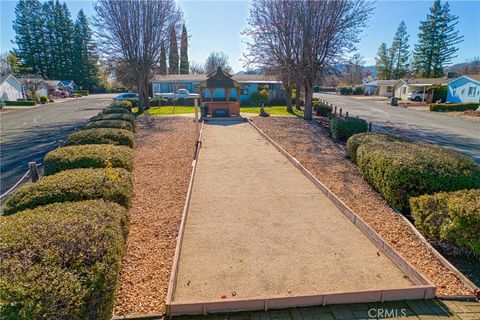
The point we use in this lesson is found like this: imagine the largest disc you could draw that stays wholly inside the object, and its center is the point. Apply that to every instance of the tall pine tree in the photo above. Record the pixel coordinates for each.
(173, 52)
(29, 25)
(184, 65)
(437, 40)
(163, 60)
(384, 62)
(400, 52)
(85, 54)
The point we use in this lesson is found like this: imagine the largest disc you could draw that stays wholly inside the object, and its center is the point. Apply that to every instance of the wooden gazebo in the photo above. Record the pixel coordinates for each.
(220, 79)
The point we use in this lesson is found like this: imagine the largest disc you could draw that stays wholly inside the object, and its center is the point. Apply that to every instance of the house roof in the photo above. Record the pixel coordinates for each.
(379, 83)
(242, 78)
(472, 77)
(68, 82)
(426, 81)
(4, 78)
(53, 83)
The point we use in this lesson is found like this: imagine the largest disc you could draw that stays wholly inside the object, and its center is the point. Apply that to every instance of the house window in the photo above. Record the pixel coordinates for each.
(244, 91)
(472, 91)
(404, 90)
(389, 89)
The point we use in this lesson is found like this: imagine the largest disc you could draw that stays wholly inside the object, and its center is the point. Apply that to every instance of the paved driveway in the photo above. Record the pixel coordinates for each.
(27, 135)
(460, 134)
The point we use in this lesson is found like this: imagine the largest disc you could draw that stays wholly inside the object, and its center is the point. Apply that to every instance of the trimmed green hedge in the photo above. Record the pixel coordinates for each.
(454, 107)
(82, 92)
(88, 156)
(61, 261)
(111, 184)
(368, 137)
(344, 128)
(114, 116)
(117, 124)
(451, 216)
(115, 110)
(322, 110)
(124, 104)
(102, 136)
(400, 170)
(20, 103)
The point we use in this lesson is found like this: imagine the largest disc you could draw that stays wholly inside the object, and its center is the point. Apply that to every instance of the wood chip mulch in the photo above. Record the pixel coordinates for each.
(163, 159)
(311, 144)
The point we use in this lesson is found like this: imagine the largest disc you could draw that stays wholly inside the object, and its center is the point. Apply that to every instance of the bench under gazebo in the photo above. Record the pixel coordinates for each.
(220, 80)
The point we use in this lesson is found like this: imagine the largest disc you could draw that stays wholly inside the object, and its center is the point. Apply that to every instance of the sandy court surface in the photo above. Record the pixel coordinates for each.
(257, 227)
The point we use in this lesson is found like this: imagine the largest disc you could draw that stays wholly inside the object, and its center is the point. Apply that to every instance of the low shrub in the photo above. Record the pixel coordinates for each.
(88, 156)
(368, 137)
(158, 102)
(102, 136)
(134, 102)
(323, 110)
(43, 99)
(344, 91)
(82, 92)
(111, 184)
(399, 170)
(452, 107)
(114, 116)
(20, 103)
(125, 104)
(61, 261)
(344, 128)
(358, 90)
(451, 216)
(115, 110)
(118, 124)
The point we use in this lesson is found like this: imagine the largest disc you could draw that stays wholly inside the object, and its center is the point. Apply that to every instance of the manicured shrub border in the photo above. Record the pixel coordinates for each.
(451, 216)
(115, 110)
(61, 261)
(114, 116)
(88, 156)
(399, 170)
(368, 137)
(102, 136)
(111, 184)
(454, 107)
(118, 124)
(20, 103)
(344, 128)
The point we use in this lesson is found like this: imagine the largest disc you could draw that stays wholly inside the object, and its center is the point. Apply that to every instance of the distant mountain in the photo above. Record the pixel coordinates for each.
(471, 67)
(254, 71)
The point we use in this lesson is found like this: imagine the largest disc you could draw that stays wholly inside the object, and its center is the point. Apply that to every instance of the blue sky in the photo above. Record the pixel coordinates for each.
(216, 26)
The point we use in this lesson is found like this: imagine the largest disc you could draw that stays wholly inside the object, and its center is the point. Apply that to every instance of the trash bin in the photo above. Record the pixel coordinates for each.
(203, 111)
(394, 102)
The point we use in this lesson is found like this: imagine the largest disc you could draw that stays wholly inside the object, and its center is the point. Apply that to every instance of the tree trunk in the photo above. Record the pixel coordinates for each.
(307, 111)
(143, 93)
(298, 94)
(288, 97)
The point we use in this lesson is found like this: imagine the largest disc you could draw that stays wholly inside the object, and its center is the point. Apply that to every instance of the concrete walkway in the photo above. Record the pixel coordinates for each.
(257, 227)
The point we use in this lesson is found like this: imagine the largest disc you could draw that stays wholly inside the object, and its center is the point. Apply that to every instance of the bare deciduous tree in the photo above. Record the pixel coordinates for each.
(196, 68)
(353, 74)
(31, 85)
(302, 40)
(215, 60)
(132, 32)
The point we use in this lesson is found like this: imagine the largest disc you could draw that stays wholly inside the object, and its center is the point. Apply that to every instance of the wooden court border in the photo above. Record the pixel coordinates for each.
(423, 288)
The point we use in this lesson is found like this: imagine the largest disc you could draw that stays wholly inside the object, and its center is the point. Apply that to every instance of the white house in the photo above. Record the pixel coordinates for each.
(382, 88)
(404, 86)
(464, 89)
(11, 88)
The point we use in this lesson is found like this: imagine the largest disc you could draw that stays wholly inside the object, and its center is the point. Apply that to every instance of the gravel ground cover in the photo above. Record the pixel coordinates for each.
(163, 158)
(312, 146)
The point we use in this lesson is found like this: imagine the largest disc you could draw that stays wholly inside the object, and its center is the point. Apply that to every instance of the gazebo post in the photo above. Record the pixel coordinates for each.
(212, 90)
(238, 97)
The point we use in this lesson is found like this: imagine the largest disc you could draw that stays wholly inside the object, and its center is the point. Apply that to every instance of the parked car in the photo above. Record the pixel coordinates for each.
(181, 94)
(417, 95)
(125, 96)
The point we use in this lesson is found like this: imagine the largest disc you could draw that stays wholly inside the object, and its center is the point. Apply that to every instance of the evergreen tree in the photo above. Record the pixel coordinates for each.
(384, 62)
(163, 60)
(437, 40)
(184, 65)
(173, 52)
(85, 60)
(28, 25)
(400, 51)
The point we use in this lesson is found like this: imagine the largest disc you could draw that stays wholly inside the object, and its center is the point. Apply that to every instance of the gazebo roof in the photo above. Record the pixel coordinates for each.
(219, 79)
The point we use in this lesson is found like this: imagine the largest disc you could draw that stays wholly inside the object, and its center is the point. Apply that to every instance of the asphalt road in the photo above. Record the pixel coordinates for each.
(445, 130)
(27, 135)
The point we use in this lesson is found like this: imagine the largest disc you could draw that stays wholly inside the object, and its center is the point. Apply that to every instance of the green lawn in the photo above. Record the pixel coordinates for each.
(273, 110)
